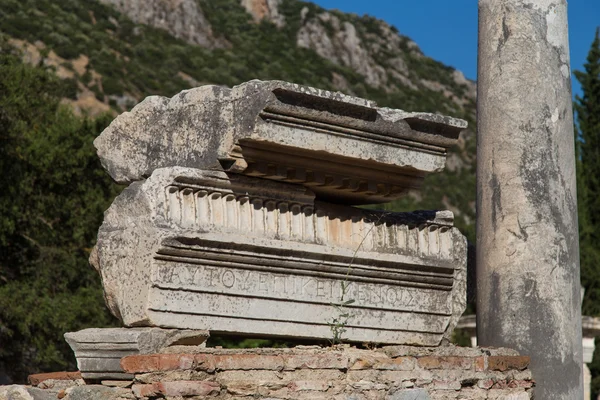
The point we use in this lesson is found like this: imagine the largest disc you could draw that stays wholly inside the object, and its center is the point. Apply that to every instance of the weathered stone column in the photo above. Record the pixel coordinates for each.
(527, 239)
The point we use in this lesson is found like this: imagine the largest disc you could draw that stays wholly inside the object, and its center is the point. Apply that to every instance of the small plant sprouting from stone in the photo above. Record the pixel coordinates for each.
(338, 324)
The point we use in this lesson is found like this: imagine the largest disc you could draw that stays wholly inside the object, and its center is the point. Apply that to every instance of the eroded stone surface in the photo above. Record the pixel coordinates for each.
(99, 350)
(527, 233)
(98, 392)
(313, 372)
(343, 148)
(410, 394)
(203, 250)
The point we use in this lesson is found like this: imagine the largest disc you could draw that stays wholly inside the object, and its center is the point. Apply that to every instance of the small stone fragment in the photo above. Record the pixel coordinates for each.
(98, 392)
(121, 384)
(99, 350)
(36, 379)
(410, 394)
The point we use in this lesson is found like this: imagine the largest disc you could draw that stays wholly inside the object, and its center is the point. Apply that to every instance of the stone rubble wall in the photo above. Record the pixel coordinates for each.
(310, 372)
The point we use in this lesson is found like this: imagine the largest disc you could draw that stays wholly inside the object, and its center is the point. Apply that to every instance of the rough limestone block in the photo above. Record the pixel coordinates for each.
(98, 392)
(196, 249)
(410, 394)
(99, 350)
(345, 149)
(17, 392)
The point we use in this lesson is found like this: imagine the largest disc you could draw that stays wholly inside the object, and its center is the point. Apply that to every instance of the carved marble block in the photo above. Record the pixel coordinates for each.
(99, 350)
(234, 220)
(196, 249)
(343, 148)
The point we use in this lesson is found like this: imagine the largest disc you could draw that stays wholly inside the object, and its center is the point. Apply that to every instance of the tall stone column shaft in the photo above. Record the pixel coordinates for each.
(527, 235)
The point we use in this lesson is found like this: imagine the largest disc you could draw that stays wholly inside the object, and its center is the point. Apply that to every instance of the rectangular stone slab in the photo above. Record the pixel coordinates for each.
(201, 249)
(346, 149)
(99, 350)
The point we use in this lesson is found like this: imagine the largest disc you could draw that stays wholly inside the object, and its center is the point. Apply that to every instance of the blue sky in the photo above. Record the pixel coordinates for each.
(446, 30)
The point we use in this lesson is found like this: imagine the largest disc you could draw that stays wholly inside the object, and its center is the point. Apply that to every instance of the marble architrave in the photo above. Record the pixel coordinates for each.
(345, 149)
(194, 249)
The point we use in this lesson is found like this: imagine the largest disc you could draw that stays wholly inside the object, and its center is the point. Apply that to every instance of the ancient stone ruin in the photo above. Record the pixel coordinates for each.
(243, 223)
(240, 218)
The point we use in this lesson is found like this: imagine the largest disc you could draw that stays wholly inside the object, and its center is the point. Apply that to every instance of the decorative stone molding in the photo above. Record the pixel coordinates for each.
(99, 350)
(207, 249)
(343, 148)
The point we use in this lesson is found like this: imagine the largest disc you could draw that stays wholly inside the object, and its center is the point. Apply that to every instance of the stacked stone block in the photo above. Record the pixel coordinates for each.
(395, 372)
(308, 372)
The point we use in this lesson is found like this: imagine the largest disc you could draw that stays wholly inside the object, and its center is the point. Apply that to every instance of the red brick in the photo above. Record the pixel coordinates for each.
(157, 362)
(139, 363)
(176, 388)
(248, 362)
(242, 388)
(204, 362)
(446, 385)
(362, 364)
(500, 384)
(433, 362)
(480, 364)
(144, 390)
(518, 383)
(505, 363)
(36, 379)
(512, 384)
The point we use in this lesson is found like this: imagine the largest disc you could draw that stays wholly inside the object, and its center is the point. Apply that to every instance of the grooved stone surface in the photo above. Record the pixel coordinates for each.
(230, 253)
(99, 350)
(528, 283)
(344, 148)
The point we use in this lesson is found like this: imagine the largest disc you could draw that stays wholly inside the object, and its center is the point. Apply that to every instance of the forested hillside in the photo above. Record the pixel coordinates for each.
(53, 194)
(68, 67)
(111, 60)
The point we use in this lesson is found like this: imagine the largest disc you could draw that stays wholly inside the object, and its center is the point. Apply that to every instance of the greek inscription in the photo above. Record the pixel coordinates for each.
(165, 275)
(262, 282)
(212, 276)
(391, 295)
(409, 300)
(284, 286)
(361, 294)
(305, 288)
(376, 296)
(244, 282)
(320, 288)
(228, 279)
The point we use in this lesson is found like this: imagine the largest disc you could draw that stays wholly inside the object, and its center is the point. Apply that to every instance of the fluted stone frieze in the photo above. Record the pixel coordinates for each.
(215, 250)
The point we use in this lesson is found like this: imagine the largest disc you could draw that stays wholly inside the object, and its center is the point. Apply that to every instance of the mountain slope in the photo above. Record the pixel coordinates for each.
(116, 52)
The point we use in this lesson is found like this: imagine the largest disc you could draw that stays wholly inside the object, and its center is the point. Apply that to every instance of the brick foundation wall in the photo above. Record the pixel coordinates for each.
(304, 372)
(397, 372)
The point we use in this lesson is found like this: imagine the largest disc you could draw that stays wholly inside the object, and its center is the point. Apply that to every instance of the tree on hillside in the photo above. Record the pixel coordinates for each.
(54, 192)
(587, 108)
